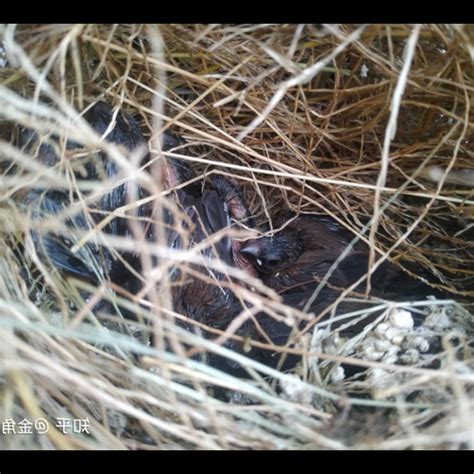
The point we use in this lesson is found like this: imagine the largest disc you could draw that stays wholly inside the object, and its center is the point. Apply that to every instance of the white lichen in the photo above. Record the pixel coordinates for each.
(338, 374)
(364, 70)
(3, 55)
(402, 319)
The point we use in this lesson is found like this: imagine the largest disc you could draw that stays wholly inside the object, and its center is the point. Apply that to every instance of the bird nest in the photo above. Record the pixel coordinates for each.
(369, 125)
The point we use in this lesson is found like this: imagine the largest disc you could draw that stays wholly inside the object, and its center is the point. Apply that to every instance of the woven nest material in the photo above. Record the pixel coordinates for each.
(371, 125)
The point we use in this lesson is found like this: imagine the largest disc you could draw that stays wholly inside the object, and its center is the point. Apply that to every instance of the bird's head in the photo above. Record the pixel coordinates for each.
(273, 254)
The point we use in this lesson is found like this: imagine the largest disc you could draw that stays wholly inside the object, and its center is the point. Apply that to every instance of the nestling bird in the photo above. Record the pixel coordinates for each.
(207, 299)
(93, 262)
(296, 259)
(203, 295)
(301, 252)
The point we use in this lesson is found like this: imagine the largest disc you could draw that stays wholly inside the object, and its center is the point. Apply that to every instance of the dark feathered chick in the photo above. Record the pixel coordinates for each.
(93, 261)
(300, 254)
(207, 299)
(297, 258)
(212, 205)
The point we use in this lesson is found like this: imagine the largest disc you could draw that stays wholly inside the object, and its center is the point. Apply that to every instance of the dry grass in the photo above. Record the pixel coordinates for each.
(369, 124)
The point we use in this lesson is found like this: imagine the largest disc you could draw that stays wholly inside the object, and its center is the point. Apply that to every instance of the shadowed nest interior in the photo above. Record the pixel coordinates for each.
(369, 126)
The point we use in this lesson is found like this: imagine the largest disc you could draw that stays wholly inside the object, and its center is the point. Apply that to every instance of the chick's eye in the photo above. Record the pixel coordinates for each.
(273, 262)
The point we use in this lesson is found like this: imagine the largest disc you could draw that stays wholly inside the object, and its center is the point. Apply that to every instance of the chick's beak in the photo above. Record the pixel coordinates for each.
(251, 248)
